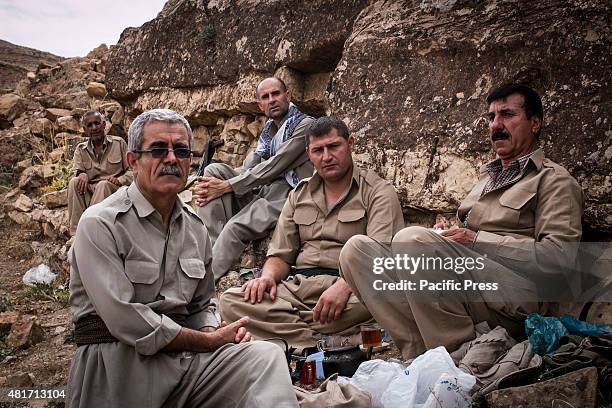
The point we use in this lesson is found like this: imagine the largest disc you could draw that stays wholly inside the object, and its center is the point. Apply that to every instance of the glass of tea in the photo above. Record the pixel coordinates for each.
(371, 335)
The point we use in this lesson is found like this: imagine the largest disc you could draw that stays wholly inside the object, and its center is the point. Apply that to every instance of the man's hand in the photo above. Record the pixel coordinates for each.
(114, 180)
(82, 183)
(253, 291)
(233, 332)
(462, 235)
(332, 302)
(209, 188)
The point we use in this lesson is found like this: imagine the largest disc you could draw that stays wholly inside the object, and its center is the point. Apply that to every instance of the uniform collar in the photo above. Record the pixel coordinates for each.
(536, 157)
(144, 207)
(105, 142)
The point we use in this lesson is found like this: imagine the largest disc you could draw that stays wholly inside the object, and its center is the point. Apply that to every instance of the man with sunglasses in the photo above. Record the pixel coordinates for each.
(141, 290)
(99, 169)
(242, 205)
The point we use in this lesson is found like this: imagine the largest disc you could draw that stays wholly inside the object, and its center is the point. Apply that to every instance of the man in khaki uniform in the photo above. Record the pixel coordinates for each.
(242, 205)
(522, 220)
(100, 168)
(320, 215)
(141, 289)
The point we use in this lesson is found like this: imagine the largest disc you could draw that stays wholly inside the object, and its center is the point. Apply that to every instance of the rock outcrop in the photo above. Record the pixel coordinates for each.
(16, 61)
(409, 77)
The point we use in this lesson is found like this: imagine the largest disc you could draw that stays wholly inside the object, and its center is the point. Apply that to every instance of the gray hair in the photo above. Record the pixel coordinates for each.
(90, 113)
(136, 131)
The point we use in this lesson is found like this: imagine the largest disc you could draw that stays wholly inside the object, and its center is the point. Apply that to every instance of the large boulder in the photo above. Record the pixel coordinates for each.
(11, 106)
(197, 43)
(413, 78)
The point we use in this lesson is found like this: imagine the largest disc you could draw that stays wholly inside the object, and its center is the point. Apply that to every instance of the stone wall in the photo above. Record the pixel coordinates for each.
(409, 77)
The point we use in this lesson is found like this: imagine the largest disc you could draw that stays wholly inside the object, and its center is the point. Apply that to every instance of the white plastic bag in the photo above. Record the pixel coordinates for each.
(431, 381)
(374, 377)
(39, 274)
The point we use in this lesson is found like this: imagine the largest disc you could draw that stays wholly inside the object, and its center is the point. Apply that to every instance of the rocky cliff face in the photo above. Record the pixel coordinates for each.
(16, 61)
(409, 77)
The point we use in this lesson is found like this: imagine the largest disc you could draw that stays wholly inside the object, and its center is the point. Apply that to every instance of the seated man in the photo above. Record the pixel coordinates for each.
(100, 168)
(320, 215)
(242, 205)
(521, 220)
(141, 289)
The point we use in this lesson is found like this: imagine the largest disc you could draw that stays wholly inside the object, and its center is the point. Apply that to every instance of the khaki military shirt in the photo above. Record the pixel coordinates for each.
(132, 271)
(291, 154)
(112, 162)
(528, 224)
(310, 235)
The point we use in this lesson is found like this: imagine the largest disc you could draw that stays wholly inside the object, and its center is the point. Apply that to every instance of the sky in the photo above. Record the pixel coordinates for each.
(72, 28)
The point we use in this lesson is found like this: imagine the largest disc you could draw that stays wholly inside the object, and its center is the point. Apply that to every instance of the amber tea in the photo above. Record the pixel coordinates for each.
(371, 336)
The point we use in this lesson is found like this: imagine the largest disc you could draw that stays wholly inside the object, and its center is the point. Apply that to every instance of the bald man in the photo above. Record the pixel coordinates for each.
(242, 205)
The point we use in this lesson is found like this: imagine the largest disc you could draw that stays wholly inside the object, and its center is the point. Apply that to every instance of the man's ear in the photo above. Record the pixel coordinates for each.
(536, 124)
(289, 95)
(351, 141)
(132, 160)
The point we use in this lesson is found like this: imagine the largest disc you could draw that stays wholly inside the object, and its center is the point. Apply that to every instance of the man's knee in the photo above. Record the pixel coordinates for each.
(217, 170)
(104, 187)
(414, 234)
(229, 303)
(353, 249)
(266, 349)
(72, 185)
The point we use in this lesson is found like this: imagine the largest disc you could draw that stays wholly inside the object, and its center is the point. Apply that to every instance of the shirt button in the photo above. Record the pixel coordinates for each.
(127, 201)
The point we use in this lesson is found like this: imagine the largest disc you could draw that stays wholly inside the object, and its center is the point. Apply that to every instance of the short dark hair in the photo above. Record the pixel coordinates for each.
(324, 125)
(532, 102)
(280, 81)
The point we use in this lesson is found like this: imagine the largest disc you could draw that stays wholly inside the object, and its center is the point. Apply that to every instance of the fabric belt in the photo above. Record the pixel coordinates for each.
(308, 272)
(91, 329)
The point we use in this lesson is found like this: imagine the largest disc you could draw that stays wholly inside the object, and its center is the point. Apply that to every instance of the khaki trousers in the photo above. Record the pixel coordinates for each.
(417, 325)
(77, 203)
(236, 375)
(290, 315)
(233, 221)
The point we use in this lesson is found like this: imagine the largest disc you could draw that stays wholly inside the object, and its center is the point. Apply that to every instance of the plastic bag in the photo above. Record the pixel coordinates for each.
(544, 333)
(431, 381)
(39, 274)
(374, 376)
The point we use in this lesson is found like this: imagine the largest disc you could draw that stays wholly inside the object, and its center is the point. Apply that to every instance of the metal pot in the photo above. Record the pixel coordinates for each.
(344, 360)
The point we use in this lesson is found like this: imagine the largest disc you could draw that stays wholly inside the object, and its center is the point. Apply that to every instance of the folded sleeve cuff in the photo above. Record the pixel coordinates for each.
(206, 318)
(159, 338)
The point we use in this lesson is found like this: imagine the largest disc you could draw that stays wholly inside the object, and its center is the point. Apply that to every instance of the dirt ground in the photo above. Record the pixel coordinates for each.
(47, 362)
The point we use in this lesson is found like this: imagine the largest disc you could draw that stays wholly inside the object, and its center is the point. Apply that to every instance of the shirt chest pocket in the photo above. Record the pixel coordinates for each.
(114, 159)
(192, 272)
(305, 218)
(351, 222)
(144, 276)
(517, 209)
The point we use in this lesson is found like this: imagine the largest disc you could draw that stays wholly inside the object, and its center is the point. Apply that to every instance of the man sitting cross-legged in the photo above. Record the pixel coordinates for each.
(300, 294)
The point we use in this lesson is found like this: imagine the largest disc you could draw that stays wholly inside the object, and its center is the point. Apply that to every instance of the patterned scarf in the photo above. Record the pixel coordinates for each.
(268, 145)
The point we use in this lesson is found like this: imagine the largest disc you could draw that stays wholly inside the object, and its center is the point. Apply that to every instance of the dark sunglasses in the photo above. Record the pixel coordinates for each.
(92, 123)
(162, 152)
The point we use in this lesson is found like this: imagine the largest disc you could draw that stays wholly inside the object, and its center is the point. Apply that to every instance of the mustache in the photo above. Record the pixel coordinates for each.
(170, 171)
(500, 135)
